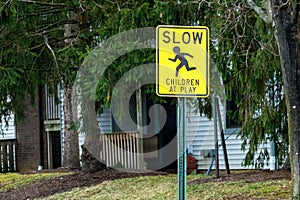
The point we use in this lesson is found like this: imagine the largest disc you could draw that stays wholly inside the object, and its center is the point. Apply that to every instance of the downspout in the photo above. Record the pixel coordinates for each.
(62, 123)
(139, 119)
(40, 104)
(272, 142)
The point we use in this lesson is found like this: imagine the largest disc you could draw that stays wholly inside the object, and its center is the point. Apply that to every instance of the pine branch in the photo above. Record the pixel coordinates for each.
(36, 47)
(42, 29)
(43, 3)
(45, 32)
(46, 12)
(6, 3)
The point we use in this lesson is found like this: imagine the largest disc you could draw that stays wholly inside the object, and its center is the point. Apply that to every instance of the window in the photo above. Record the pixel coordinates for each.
(232, 119)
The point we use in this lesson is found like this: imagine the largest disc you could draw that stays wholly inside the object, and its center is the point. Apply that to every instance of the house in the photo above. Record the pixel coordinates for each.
(38, 140)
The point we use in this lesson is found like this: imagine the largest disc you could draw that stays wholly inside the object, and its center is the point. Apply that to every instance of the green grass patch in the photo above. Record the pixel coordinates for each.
(165, 187)
(15, 180)
(279, 189)
(147, 187)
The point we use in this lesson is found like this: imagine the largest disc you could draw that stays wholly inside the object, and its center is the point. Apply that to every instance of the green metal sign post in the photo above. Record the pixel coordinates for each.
(181, 148)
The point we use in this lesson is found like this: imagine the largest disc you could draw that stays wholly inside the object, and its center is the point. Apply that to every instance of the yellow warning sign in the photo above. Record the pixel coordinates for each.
(182, 61)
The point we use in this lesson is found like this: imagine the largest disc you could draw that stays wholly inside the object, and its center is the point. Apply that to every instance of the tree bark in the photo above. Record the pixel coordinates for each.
(91, 159)
(90, 164)
(71, 143)
(286, 30)
(287, 165)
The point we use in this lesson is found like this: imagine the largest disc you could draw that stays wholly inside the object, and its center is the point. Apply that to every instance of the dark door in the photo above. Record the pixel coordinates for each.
(167, 140)
(56, 149)
(167, 136)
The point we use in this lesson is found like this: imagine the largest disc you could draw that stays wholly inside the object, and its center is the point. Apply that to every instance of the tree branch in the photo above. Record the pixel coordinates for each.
(46, 12)
(42, 29)
(6, 3)
(44, 32)
(267, 17)
(49, 47)
(43, 3)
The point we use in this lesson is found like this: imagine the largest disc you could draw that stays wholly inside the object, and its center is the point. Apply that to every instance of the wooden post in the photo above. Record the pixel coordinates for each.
(1, 160)
(16, 153)
(222, 136)
(5, 166)
(11, 157)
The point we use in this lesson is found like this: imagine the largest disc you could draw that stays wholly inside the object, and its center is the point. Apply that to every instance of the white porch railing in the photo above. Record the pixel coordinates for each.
(121, 150)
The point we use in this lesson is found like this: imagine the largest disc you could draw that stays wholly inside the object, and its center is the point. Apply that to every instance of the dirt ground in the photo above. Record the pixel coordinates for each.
(49, 187)
(250, 176)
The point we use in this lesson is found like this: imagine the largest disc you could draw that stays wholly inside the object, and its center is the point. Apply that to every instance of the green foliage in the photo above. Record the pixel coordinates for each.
(34, 52)
(132, 15)
(25, 61)
(246, 54)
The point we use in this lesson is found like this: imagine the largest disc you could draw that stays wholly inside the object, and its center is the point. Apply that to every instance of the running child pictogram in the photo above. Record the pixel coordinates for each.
(183, 61)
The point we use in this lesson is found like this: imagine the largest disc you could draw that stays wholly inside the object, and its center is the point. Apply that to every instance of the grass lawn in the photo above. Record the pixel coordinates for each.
(15, 180)
(159, 187)
(165, 187)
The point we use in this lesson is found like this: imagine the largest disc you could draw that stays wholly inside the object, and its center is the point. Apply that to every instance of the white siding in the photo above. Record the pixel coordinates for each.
(200, 135)
(104, 120)
(10, 131)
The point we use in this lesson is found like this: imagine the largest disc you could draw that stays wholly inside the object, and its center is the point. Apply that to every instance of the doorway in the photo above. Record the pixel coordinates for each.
(165, 138)
(54, 149)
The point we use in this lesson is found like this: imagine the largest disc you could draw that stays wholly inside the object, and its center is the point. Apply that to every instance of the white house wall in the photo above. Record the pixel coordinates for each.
(10, 131)
(104, 120)
(200, 138)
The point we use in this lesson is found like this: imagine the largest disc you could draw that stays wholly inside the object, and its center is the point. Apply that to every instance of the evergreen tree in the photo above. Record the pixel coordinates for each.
(34, 53)
(259, 78)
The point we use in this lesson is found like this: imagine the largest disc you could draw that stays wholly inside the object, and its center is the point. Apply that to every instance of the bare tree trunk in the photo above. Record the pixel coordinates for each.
(71, 144)
(286, 27)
